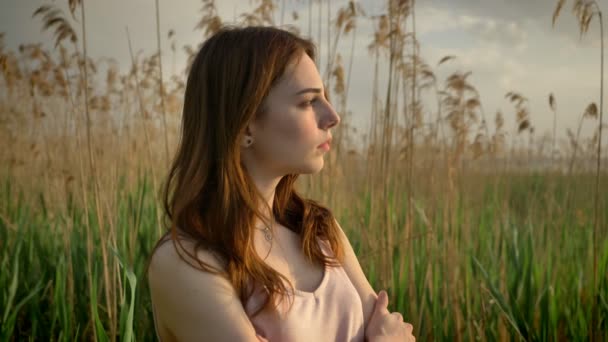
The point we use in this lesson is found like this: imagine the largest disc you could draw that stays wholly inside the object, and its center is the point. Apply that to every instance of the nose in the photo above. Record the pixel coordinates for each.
(330, 117)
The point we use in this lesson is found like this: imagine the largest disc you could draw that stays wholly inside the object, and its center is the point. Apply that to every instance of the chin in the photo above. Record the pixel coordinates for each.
(312, 167)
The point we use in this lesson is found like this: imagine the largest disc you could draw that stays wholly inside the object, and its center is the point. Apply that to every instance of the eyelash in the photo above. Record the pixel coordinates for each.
(310, 102)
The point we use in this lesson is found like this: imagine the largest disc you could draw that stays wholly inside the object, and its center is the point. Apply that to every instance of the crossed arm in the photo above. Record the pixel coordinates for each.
(357, 277)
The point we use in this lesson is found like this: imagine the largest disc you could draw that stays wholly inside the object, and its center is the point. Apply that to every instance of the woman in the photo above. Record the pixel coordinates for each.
(248, 259)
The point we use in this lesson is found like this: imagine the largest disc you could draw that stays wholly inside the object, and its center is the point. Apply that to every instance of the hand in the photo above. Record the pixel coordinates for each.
(385, 326)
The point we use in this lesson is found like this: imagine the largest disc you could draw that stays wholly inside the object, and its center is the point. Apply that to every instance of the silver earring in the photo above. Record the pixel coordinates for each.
(248, 141)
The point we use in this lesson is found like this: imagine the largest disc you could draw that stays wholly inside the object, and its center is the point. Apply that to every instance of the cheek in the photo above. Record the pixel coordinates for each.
(297, 130)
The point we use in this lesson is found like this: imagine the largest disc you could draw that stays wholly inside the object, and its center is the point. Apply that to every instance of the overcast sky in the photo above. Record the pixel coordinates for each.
(506, 44)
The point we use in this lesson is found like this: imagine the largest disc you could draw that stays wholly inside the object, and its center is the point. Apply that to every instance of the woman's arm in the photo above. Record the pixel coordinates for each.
(357, 277)
(386, 326)
(193, 305)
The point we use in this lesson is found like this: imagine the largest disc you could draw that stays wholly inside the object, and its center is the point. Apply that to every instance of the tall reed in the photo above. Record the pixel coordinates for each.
(585, 10)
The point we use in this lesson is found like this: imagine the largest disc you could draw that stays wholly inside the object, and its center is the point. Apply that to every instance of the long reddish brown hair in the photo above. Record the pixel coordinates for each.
(209, 198)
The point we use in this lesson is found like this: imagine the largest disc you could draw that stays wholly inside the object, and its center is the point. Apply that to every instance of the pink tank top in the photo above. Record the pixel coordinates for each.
(332, 312)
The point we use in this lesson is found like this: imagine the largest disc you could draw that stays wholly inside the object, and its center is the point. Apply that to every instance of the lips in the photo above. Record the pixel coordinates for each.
(328, 142)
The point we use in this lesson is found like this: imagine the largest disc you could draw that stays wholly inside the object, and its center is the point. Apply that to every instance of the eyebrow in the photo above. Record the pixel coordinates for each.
(309, 90)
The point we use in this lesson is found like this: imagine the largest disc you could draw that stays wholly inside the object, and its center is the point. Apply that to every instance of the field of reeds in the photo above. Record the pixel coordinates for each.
(476, 234)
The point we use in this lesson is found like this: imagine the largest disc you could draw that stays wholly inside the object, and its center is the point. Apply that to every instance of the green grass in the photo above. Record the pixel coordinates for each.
(512, 262)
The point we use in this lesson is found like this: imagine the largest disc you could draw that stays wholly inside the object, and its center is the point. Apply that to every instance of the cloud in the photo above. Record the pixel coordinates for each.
(505, 53)
(488, 30)
(530, 15)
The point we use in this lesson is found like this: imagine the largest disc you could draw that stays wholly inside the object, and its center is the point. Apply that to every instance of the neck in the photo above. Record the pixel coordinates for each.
(267, 190)
(266, 185)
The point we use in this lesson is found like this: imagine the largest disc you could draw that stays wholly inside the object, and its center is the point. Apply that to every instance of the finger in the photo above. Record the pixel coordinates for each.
(398, 316)
(381, 302)
(408, 327)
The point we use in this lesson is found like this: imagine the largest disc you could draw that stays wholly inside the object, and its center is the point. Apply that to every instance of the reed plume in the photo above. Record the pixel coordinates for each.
(585, 11)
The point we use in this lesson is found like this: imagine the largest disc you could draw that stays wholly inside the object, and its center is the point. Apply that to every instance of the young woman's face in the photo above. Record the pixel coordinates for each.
(291, 134)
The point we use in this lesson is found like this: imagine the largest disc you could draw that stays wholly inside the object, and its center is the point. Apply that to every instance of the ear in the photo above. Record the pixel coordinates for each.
(249, 136)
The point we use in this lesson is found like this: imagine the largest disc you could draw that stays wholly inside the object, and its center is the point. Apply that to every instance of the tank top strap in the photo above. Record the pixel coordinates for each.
(325, 248)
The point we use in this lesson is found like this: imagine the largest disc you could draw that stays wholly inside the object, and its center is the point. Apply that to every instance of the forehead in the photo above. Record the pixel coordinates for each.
(301, 73)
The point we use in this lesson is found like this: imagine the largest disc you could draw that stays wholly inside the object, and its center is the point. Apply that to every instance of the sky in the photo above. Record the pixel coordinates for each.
(508, 45)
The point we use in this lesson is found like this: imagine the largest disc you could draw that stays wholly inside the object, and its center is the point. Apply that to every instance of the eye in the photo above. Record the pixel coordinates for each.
(309, 102)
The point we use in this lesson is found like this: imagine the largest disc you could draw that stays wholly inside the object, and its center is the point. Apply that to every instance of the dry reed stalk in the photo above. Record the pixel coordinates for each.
(585, 10)
(109, 294)
(596, 216)
(412, 144)
(381, 35)
(355, 11)
(319, 33)
(395, 22)
(379, 42)
(161, 84)
(345, 22)
(386, 277)
(438, 126)
(89, 243)
(328, 41)
(522, 117)
(590, 112)
(341, 18)
(553, 106)
(142, 111)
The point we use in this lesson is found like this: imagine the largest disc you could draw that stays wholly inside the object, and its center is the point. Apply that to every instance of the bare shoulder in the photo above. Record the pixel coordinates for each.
(169, 271)
(191, 304)
(167, 258)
